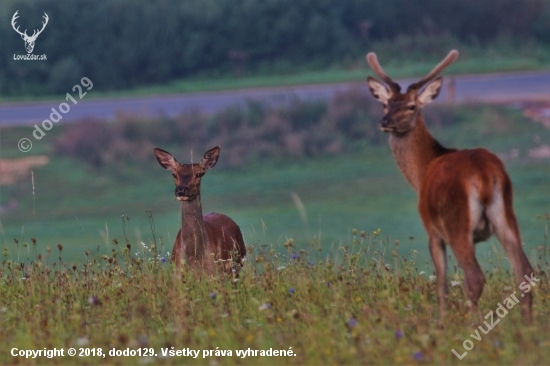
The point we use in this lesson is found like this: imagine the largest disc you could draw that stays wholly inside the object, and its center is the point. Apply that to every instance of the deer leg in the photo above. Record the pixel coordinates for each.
(474, 279)
(506, 228)
(438, 252)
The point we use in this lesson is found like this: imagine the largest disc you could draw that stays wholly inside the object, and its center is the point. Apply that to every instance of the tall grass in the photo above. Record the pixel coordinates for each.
(360, 302)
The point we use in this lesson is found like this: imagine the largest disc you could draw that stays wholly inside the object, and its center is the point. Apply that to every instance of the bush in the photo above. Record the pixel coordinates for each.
(256, 131)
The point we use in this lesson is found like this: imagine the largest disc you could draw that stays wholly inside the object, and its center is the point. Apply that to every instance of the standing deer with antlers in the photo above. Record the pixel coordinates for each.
(464, 195)
(29, 41)
(200, 236)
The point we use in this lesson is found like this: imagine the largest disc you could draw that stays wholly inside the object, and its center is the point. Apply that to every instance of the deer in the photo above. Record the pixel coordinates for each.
(464, 196)
(29, 41)
(203, 240)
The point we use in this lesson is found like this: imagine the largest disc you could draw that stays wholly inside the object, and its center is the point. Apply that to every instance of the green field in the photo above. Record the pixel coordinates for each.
(81, 207)
(352, 286)
(474, 61)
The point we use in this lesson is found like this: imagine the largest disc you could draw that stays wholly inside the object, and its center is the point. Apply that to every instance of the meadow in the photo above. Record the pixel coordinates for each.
(347, 280)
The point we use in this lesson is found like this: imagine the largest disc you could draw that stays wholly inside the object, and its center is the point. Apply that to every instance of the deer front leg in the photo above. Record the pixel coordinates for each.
(438, 252)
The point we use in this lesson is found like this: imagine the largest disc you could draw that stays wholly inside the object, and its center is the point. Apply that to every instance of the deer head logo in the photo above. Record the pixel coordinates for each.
(29, 41)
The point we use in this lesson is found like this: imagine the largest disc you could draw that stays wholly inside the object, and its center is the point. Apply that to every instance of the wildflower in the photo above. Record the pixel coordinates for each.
(212, 295)
(163, 260)
(432, 277)
(417, 355)
(294, 256)
(352, 322)
(311, 263)
(455, 283)
(264, 307)
(93, 300)
(422, 272)
(291, 290)
(60, 247)
(398, 334)
(328, 284)
(82, 341)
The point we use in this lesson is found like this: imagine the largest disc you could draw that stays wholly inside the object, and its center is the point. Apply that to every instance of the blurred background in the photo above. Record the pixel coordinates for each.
(279, 86)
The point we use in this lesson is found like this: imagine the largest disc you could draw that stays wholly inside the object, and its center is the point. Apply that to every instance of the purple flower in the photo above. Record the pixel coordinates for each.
(294, 256)
(264, 307)
(311, 263)
(352, 322)
(417, 355)
(328, 284)
(291, 290)
(93, 300)
(398, 334)
(212, 295)
(163, 260)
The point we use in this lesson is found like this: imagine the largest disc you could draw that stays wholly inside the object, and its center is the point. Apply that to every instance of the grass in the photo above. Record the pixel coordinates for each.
(474, 62)
(81, 208)
(374, 307)
(337, 288)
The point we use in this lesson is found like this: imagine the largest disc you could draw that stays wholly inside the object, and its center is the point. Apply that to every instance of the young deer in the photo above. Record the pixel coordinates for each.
(464, 195)
(200, 235)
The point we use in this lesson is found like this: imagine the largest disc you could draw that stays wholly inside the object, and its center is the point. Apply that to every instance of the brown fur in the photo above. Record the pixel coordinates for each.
(205, 240)
(464, 195)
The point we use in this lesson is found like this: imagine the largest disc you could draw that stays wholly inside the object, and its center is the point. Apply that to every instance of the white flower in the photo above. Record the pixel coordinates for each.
(432, 277)
(264, 307)
(422, 272)
(455, 283)
(82, 341)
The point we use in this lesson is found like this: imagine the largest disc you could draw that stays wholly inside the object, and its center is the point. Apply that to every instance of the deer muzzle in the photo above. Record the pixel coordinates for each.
(386, 124)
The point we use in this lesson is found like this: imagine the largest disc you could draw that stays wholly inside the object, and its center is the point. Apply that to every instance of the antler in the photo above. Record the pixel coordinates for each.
(451, 57)
(43, 26)
(15, 16)
(373, 62)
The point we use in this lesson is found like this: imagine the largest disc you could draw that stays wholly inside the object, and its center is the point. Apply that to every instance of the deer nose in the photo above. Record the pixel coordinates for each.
(385, 122)
(182, 191)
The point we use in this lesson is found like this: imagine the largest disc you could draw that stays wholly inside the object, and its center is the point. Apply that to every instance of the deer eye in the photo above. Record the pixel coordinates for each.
(198, 175)
(412, 108)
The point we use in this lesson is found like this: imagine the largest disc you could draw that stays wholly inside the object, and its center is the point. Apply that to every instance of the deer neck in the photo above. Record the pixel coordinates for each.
(414, 151)
(193, 236)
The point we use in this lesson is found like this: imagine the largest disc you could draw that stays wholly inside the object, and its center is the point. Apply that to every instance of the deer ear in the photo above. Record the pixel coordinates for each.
(430, 92)
(210, 158)
(378, 90)
(165, 159)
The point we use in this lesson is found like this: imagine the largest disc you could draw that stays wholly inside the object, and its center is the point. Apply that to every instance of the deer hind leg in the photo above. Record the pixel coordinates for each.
(501, 215)
(438, 252)
(474, 279)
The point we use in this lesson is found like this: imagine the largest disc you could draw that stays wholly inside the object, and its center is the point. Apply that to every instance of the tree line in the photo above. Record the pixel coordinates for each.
(125, 43)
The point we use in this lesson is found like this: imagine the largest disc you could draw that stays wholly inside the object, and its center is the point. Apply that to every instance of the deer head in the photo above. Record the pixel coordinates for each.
(401, 109)
(29, 41)
(187, 177)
